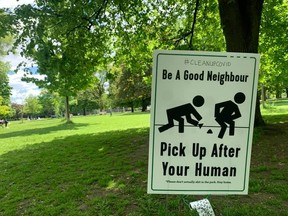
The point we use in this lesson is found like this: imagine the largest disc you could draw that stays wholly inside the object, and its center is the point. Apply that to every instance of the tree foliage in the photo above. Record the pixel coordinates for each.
(5, 23)
(32, 106)
(52, 103)
(5, 43)
(159, 25)
(130, 89)
(66, 39)
(5, 89)
(5, 110)
(273, 46)
(94, 97)
(17, 110)
(71, 40)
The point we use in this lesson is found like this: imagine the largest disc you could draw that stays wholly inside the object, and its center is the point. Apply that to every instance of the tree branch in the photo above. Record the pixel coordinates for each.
(193, 24)
(95, 15)
(183, 37)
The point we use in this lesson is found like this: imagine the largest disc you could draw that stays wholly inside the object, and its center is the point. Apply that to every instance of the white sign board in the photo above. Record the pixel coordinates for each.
(202, 117)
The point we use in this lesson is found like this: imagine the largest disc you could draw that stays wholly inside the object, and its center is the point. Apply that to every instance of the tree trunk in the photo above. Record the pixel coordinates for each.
(67, 109)
(132, 107)
(263, 94)
(22, 112)
(277, 95)
(144, 105)
(240, 20)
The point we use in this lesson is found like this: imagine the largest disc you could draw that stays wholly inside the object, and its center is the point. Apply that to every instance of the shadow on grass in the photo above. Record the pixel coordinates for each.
(135, 113)
(276, 118)
(74, 175)
(106, 174)
(278, 102)
(45, 130)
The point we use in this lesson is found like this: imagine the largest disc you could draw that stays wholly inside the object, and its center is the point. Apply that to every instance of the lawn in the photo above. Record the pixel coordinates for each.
(275, 106)
(98, 166)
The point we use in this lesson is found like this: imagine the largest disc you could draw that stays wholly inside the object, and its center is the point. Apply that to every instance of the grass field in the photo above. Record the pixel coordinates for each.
(275, 107)
(98, 166)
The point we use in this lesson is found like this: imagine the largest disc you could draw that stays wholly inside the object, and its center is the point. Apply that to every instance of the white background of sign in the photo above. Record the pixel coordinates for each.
(169, 93)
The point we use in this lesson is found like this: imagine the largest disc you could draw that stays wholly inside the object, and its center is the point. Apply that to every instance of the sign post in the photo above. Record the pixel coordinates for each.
(202, 116)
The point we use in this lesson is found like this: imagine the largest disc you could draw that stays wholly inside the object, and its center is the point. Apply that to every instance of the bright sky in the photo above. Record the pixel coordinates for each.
(20, 89)
(13, 3)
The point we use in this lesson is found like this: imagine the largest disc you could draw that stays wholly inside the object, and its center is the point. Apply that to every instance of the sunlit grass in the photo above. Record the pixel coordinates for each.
(21, 134)
(98, 166)
(275, 107)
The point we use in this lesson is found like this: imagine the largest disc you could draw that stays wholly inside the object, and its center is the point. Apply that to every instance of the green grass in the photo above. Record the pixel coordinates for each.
(98, 166)
(275, 107)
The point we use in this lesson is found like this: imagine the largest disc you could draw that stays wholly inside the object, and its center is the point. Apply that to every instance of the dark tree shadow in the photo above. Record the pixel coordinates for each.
(73, 171)
(46, 130)
(275, 119)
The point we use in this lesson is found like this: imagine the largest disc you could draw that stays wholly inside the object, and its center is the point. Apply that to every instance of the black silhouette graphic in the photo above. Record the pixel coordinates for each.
(209, 131)
(226, 112)
(186, 110)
